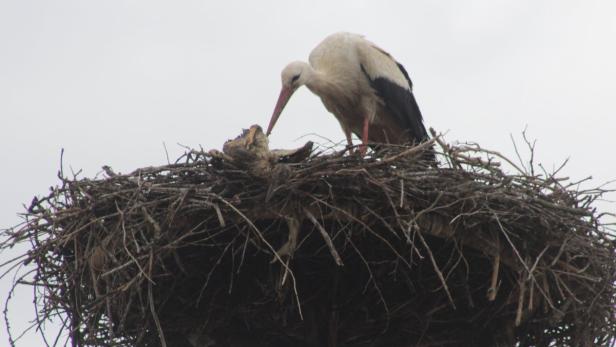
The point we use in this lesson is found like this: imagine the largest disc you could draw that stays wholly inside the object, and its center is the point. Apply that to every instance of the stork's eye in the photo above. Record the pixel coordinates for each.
(295, 78)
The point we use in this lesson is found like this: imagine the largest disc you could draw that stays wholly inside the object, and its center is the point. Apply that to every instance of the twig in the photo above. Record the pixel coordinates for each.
(437, 270)
(326, 238)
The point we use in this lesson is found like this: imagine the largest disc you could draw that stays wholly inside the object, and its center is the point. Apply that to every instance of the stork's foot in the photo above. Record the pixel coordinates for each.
(351, 149)
(360, 150)
(363, 148)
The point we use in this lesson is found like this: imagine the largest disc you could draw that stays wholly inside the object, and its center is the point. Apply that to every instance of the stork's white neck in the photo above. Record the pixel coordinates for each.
(320, 82)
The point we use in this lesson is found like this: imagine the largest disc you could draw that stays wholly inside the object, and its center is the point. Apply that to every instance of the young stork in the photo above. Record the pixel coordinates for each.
(368, 91)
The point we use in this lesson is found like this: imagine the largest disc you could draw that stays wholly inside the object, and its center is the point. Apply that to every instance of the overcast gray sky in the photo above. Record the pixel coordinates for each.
(110, 81)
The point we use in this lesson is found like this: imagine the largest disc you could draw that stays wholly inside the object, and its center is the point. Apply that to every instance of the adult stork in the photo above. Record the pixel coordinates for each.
(368, 91)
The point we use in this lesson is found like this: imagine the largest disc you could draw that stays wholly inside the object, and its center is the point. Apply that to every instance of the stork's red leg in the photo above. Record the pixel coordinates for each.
(364, 137)
(349, 139)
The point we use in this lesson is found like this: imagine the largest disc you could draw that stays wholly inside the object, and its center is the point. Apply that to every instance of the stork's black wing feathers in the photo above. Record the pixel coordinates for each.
(406, 75)
(401, 103)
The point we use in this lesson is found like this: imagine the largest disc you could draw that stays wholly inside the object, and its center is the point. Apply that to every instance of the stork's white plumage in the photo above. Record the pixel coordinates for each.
(368, 91)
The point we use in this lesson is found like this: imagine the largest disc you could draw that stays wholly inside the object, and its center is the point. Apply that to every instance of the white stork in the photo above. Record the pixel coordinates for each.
(368, 91)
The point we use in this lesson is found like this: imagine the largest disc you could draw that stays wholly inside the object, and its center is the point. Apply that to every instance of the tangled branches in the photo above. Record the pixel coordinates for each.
(332, 250)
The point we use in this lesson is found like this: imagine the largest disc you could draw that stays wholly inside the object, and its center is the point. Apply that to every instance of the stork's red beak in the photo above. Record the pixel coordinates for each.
(285, 94)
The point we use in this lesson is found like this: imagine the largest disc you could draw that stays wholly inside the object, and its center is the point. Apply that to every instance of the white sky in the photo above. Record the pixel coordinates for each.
(110, 81)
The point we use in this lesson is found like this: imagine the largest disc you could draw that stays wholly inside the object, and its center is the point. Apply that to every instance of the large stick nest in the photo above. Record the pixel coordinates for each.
(258, 248)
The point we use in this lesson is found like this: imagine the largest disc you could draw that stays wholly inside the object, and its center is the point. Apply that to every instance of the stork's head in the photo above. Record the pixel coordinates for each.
(293, 76)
